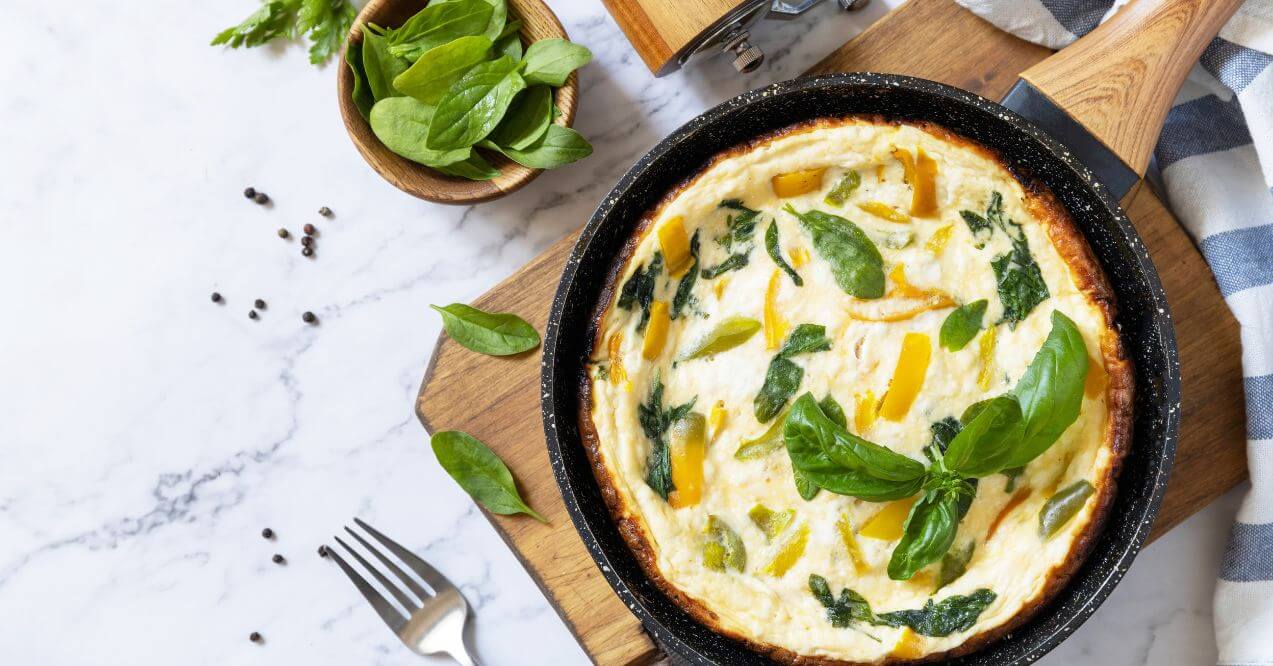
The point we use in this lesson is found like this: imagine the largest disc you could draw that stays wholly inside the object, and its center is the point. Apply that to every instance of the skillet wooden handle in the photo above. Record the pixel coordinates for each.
(1119, 80)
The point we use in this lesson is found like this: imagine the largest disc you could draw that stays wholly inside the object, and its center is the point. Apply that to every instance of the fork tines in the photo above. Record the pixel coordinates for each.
(412, 598)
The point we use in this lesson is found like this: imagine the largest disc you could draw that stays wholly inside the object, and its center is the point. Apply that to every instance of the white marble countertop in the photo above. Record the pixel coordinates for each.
(148, 435)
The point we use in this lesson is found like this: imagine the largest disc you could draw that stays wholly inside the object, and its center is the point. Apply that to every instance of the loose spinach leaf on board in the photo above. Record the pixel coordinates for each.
(527, 119)
(655, 421)
(1050, 391)
(928, 533)
(962, 325)
(361, 93)
(550, 61)
(775, 253)
(480, 473)
(439, 23)
(943, 618)
(558, 146)
(380, 66)
(402, 123)
(429, 78)
(731, 263)
(991, 430)
(954, 564)
(493, 333)
(475, 103)
(638, 291)
(684, 295)
(855, 261)
(783, 377)
(475, 167)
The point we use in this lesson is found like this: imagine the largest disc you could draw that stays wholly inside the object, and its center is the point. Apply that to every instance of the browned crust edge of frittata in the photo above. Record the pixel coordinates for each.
(1089, 278)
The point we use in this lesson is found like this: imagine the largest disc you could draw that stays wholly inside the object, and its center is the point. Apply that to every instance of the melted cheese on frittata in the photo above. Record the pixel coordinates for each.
(780, 610)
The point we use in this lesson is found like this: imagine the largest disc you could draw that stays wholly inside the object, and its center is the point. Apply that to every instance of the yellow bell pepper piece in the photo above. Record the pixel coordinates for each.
(908, 646)
(655, 331)
(885, 211)
(716, 418)
(775, 324)
(929, 299)
(675, 244)
(797, 182)
(799, 257)
(879, 172)
(851, 544)
(887, 524)
(687, 448)
(789, 553)
(868, 408)
(937, 242)
(618, 374)
(908, 376)
(908, 165)
(719, 287)
(986, 352)
(924, 192)
(1095, 382)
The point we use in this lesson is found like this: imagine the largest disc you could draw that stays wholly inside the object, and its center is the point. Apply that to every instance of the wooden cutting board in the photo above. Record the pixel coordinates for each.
(497, 399)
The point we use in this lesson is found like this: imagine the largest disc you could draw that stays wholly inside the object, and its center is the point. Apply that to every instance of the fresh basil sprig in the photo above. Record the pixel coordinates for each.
(493, 333)
(480, 473)
(855, 262)
(783, 377)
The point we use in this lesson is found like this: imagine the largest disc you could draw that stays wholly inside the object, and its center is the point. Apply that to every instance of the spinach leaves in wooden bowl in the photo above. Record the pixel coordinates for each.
(463, 100)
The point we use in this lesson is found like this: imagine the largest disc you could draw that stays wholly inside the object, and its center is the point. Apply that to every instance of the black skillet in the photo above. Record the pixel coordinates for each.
(1090, 195)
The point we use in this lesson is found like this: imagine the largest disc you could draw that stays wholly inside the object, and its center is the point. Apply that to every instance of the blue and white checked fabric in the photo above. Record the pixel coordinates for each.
(1216, 160)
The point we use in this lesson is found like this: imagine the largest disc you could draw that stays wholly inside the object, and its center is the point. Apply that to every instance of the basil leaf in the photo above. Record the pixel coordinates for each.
(954, 564)
(558, 146)
(527, 118)
(493, 333)
(855, 261)
(480, 473)
(833, 411)
(380, 66)
(730, 333)
(991, 430)
(928, 534)
(731, 263)
(402, 124)
(550, 61)
(1063, 506)
(472, 168)
(952, 614)
(433, 74)
(475, 104)
(439, 23)
(944, 431)
(962, 325)
(361, 93)
(775, 253)
(1051, 390)
(782, 380)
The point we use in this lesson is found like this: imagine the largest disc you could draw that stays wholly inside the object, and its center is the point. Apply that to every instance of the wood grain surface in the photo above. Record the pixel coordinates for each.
(538, 22)
(659, 29)
(497, 399)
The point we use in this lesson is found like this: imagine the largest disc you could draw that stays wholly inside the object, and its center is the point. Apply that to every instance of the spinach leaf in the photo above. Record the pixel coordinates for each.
(962, 325)
(685, 288)
(638, 291)
(1050, 391)
(740, 227)
(731, 263)
(1020, 283)
(439, 23)
(480, 473)
(844, 188)
(655, 421)
(833, 411)
(361, 93)
(804, 485)
(982, 226)
(475, 103)
(402, 124)
(943, 618)
(928, 533)
(433, 74)
(783, 377)
(775, 253)
(493, 333)
(855, 261)
(550, 61)
(472, 168)
(509, 42)
(954, 564)
(558, 146)
(499, 15)
(527, 119)
(849, 608)
(380, 66)
(992, 428)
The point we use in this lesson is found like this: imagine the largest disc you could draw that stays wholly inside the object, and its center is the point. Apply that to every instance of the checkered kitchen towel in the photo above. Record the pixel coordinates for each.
(1216, 161)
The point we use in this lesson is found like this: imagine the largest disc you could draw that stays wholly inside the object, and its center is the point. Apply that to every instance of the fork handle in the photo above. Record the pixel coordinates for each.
(461, 656)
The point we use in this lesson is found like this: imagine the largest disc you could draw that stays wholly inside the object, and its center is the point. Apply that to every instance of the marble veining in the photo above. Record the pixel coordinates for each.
(148, 435)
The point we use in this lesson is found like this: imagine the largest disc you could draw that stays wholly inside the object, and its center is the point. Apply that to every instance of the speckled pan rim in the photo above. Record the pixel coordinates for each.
(1167, 390)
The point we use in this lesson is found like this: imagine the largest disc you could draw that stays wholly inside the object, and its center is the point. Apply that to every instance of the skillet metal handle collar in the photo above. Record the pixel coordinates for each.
(1117, 83)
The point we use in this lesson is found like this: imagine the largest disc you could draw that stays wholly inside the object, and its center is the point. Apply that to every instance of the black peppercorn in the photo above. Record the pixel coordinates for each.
(322, 551)
(250, 193)
(278, 559)
(260, 304)
(309, 229)
(283, 233)
(255, 637)
(216, 297)
(308, 317)
(307, 240)
(325, 211)
(267, 533)
(261, 198)
(252, 314)
(307, 252)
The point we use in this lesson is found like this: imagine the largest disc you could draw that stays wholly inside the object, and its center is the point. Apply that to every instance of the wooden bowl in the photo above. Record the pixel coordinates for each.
(538, 22)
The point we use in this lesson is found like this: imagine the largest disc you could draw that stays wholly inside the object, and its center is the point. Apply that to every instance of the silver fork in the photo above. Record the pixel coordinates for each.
(435, 619)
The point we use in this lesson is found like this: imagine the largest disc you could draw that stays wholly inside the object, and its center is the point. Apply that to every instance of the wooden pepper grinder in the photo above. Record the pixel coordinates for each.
(669, 33)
